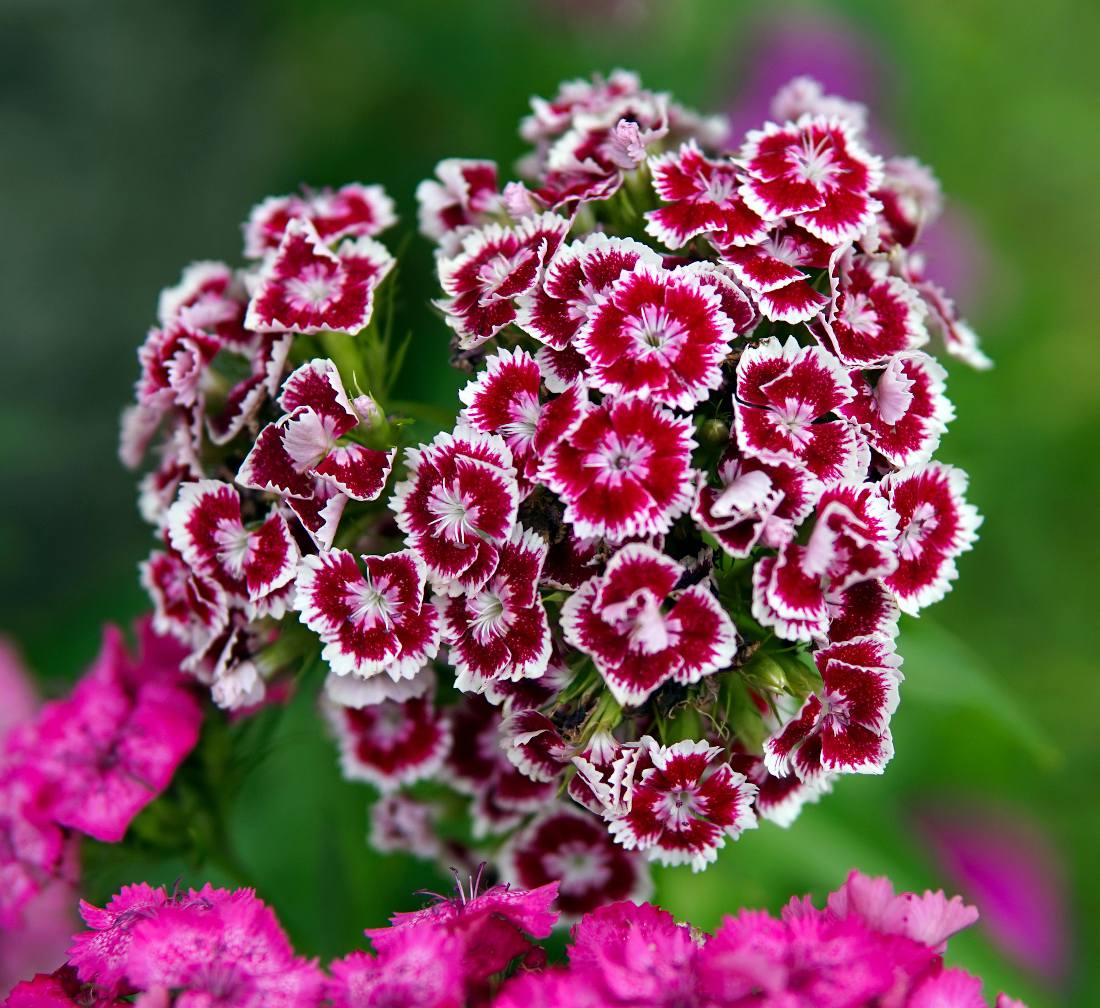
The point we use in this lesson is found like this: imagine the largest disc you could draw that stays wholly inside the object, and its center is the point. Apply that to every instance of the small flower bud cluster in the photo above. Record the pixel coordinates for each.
(662, 554)
(480, 949)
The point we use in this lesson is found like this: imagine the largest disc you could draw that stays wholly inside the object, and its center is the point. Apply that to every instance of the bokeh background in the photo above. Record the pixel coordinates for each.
(137, 133)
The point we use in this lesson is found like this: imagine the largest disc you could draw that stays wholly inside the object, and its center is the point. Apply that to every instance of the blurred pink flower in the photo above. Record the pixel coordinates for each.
(1007, 866)
(39, 944)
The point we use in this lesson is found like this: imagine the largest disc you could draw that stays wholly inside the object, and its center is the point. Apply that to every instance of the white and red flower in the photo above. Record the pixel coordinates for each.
(575, 282)
(371, 621)
(959, 340)
(305, 287)
(457, 506)
(641, 632)
(683, 806)
(844, 728)
(778, 799)
(874, 314)
(392, 743)
(186, 605)
(173, 363)
(625, 470)
(306, 456)
(853, 540)
(495, 266)
(658, 334)
(352, 211)
(462, 193)
(573, 847)
(911, 200)
(935, 525)
(754, 503)
(561, 368)
(703, 199)
(785, 396)
(507, 399)
(534, 745)
(500, 631)
(815, 171)
(904, 411)
(775, 271)
(206, 529)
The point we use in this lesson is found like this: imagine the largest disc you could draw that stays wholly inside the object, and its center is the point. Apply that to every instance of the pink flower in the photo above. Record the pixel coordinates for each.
(641, 632)
(496, 265)
(929, 919)
(846, 727)
(815, 171)
(458, 506)
(500, 631)
(624, 471)
(935, 525)
(113, 745)
(681, 808)
(305, 287)
(352, 211)
(784, 395)
(422, 966)
(657, 334)
(492, 927)
(371, 621)
(573, 848)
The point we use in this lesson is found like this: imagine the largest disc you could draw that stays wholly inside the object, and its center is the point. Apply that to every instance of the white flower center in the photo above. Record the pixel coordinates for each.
(580, 868)
(525, 411)
(911, 541)
(617, 459)
(372, 603)
(308, 438)
(641, 619)
(493, 274)
(678, 808)
(655, 331)
(814, 161)
(233, 546)
(489, 615)
(455, 515)
(717, 189)
(859, 315)
(316, 286)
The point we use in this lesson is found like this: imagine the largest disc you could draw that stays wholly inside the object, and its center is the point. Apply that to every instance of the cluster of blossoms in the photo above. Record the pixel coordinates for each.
(867, 947)
(646, 591)
(88, 763)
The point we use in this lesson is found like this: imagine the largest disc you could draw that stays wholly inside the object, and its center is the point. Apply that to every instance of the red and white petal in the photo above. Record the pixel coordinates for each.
(703, 198)
(574, 849)
(370, 622)
(187, 606)
(204, 526)
(658, 334)
(534, 746)
(497, 264)
(786, 598)
(317, 385)
(793, 303)
(853, 537)
(358, 472)
(624, 471)
(875, 315)
(320, 514)
(905, 412)
(269, 467)
(462, 190)
(270, 559)
(866, 609)
(575, 281)
(682, 809)
(305, 287)
(935, 525)
(353, 210)
(778, 799)
(736, 305)
(351, 691)
(960, 341)
(706, 639)
(392, 743)
(245, 399)
(561, 369)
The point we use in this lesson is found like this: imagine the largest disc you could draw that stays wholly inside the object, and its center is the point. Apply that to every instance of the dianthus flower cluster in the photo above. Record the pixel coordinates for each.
(867, 947)
(646, 590)
(88, 763)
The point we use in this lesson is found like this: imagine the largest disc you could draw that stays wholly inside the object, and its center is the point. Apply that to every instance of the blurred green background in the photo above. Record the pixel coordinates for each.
(137, 134)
